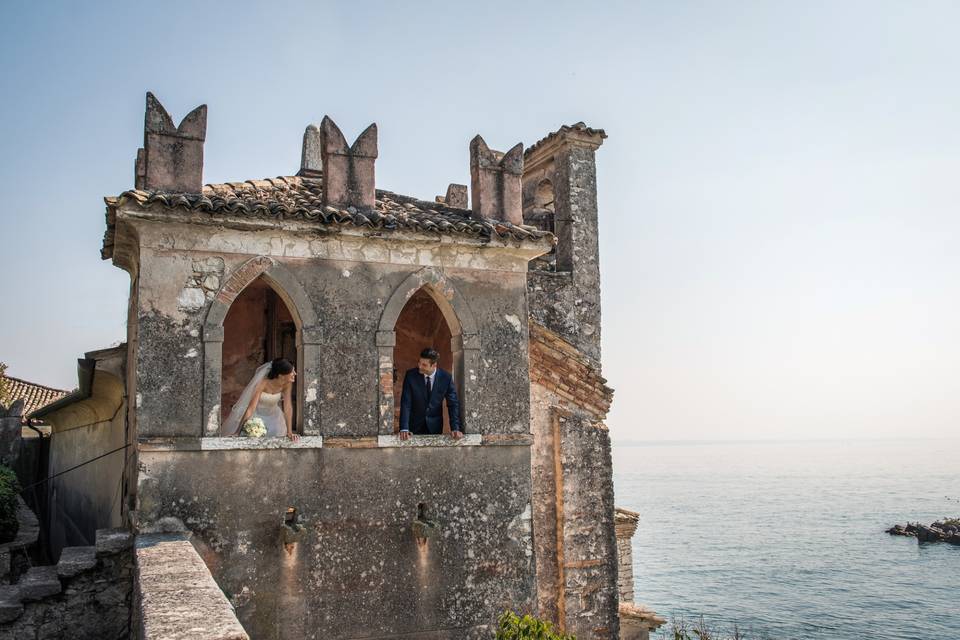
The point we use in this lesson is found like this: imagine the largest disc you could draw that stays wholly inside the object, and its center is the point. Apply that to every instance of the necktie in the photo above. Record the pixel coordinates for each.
(426, 381)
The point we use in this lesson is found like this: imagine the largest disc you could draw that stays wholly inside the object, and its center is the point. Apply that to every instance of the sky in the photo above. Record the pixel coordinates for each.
(778, 194)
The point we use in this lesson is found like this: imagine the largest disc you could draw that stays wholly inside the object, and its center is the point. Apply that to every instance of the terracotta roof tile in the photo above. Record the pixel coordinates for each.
(300, 198)
(33, 395)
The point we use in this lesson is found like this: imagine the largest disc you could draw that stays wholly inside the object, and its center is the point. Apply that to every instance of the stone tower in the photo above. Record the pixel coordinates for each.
(575, 544)
(560, 195)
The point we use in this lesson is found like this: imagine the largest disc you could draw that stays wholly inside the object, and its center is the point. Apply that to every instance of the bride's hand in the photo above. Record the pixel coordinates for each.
(294, 436)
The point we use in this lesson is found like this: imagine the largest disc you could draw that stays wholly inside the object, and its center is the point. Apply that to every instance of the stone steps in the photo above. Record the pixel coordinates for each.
(41, 582)
(10, 606)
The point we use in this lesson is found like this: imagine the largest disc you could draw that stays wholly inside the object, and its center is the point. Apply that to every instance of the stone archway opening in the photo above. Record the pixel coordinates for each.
(258, 327)
(422, 324)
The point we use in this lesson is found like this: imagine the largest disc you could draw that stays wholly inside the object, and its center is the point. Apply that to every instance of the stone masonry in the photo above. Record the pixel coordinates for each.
(85, 596)
(350, 532)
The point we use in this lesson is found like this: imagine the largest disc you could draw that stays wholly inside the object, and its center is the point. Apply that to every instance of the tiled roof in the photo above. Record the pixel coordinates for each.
(33, 395)
(300, 198)
(579, 127)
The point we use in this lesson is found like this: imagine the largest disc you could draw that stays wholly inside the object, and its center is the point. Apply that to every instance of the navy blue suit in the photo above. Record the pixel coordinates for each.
(423, 414)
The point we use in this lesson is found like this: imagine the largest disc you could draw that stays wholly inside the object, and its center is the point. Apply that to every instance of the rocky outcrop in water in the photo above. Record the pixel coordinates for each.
(946, 530)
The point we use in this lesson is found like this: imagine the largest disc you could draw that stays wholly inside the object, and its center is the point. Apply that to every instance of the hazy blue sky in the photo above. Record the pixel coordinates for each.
(778, 194)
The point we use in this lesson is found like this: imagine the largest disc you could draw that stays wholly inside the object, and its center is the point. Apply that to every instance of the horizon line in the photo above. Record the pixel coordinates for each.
(633, 443)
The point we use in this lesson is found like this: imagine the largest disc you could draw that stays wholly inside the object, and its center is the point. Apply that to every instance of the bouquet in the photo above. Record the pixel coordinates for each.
(254, 428)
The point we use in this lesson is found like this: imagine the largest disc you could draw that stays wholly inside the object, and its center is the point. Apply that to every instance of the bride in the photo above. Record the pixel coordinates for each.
(271, 383)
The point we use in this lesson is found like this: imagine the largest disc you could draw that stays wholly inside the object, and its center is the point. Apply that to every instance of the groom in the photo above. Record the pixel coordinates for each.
(421, 404)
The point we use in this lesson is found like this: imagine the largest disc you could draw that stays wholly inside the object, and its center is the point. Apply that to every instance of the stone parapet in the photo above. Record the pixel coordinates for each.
(176, 595)
(637, 621)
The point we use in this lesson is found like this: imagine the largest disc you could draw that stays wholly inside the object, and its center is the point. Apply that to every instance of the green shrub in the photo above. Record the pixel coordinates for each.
(9, 490)
(510, 626)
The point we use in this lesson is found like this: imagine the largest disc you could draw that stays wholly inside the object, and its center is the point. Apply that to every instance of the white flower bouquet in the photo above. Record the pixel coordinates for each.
(254, 428)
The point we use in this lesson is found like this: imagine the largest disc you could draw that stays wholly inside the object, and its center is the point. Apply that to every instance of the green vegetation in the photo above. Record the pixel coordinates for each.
(680, 629)
(9, 490)
(510, 626)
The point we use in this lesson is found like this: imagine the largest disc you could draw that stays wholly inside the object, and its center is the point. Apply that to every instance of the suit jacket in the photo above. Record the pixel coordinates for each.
(422, 414)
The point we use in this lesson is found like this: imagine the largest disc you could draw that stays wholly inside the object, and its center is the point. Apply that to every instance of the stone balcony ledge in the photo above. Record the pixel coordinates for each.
(228, 444)
(468, 440)
(327, 442)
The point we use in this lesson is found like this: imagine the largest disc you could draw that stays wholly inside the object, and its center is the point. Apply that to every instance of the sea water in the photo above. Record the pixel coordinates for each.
(787, 538)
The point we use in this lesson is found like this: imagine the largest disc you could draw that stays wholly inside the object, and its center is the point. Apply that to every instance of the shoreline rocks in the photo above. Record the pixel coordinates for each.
(946, 530)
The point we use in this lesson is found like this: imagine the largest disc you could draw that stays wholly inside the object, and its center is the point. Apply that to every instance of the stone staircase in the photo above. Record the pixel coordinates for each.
(87, 594)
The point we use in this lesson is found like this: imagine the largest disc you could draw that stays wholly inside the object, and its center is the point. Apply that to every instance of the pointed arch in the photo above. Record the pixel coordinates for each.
(278, 276)
(294, 296)
(455, 309)
(464, 343)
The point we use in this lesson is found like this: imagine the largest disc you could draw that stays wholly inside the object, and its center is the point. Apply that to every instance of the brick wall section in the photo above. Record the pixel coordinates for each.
(242, 277)
(561, 369)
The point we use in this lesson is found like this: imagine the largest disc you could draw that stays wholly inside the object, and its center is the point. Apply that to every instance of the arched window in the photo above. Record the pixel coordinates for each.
(426, 310)
(262, 297)
(421, 324)
(259, 327)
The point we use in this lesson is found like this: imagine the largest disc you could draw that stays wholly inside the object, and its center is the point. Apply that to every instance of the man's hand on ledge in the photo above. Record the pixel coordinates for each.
(404, 435)
(456, 435)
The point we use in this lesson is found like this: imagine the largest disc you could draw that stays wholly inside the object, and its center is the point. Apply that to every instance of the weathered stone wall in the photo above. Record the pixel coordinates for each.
(547, 505)
(575, 545)
(590, 551)
(566, 299)
(347, 295)
(356, 570)
(86, 596)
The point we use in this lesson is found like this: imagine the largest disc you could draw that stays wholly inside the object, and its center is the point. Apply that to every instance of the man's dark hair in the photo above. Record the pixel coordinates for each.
(430, 354)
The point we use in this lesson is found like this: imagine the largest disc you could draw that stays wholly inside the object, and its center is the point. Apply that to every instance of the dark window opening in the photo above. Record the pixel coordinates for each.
(258, 328)
(422, 324)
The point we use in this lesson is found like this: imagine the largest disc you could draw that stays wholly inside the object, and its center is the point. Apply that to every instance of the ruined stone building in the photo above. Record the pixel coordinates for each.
(351, 532)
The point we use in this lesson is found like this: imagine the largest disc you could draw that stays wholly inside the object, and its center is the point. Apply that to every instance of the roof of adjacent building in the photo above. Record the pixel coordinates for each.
(578, 127)
(301, 198)
(34, 395)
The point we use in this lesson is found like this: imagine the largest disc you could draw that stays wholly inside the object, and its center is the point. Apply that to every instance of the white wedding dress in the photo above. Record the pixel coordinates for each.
(268, 409)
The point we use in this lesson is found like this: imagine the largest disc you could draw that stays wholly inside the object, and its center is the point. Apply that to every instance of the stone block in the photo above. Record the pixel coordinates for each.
(76, 560)
(456, 196)
(172, 159)
(348, 171)
(495, 182)
(39, 582)
(10, 606)
(113, 541)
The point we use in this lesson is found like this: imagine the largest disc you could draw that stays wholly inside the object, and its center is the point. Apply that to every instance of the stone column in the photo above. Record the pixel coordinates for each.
(212, 371)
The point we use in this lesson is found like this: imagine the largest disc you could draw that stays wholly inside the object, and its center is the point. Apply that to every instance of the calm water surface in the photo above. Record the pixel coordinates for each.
(787, 538)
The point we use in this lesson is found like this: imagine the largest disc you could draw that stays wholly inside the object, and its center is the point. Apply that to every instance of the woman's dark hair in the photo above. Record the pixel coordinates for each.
(430, 354)
(279, 367)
